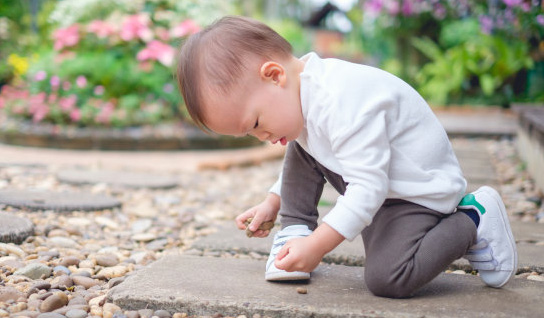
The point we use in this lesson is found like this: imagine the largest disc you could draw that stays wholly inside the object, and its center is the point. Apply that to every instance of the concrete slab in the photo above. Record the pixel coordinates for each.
(208, 286)
(229, 239)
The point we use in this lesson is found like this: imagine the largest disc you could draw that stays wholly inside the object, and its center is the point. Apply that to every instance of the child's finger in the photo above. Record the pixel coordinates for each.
(255, 223)
(282, 253)
(240, 219)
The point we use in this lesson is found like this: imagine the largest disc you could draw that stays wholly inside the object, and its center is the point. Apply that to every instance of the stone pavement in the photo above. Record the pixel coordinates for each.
(214, 277)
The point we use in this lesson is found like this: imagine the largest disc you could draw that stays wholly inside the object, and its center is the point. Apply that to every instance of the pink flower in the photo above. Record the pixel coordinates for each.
(512, 3)
(156, 50)
(75, 115)
(102, 29)
(99, 90)
(104, 116)
(373, 6)
(66, 37)
(162, 34)
(68, 103)
(55, 81)
(184, 28)
(136, 26)
(40, 76)
(540, 19)
(81, 81)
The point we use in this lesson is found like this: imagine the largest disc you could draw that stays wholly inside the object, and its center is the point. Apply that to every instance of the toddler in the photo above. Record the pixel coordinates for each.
(367, 133)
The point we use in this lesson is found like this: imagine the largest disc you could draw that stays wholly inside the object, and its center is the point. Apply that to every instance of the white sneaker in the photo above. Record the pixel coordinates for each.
(272, 272)
(494, 255)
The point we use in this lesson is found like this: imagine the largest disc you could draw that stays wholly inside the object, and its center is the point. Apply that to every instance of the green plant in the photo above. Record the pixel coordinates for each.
(110, 66)
(484, 65)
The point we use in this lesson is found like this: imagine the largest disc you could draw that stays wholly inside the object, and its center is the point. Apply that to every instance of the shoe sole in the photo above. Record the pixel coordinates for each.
(506, 224)
(286, 276)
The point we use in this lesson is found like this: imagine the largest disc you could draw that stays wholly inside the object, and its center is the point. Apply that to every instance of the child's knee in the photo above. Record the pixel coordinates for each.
(385, 285)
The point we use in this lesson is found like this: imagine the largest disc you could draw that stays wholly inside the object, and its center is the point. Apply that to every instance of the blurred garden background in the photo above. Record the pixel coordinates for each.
(110, 63)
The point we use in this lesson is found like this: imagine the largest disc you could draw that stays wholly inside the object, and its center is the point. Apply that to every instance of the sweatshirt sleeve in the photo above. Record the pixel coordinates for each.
(276, 187)
(363, 151)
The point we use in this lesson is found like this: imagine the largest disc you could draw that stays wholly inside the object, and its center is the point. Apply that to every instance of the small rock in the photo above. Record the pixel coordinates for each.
(26, 313)
(107, 222)
(97, 301)
(62, 242)
(69, 260)
(106, 260)
(162, 313)
(132, 314)
(57, 232)
(41, 285)
(8, 293)
(111, 272)
(115, 281)
(144, 237)
(76, 313)
(538, 278)
(302, 290)
(77, 300)
(12, 249)
(62, 282)
(157, 245)
(35, 271)
(51, 315)
(88, 263)
(60, 268)
(145, 313)
(140, 226)
(55, 301)
(86, 282)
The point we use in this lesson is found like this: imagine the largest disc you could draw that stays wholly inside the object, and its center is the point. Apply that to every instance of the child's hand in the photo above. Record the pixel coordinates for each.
(300, 254)
(265, 211)
(304, 254)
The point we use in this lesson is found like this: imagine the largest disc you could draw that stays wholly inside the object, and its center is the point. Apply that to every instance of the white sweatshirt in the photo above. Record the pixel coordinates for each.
(380, 135)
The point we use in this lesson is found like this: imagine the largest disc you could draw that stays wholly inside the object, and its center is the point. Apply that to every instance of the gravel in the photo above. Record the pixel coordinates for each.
(74, 258)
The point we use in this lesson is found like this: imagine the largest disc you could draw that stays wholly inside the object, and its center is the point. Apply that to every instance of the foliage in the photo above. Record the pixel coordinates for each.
(459, 49)
(112, 65)
(486, 64)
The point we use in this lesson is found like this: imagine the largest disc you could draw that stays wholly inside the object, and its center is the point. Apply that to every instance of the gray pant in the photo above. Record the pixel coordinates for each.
(407, 245)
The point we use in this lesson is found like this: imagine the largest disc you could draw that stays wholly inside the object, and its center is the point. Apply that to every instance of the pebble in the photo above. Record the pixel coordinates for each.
(8, 293)
(111, 272)
(302, 290)
(62, 242)
(35, 271)
(162, 314)
(50, 315)
(538, 278)
(69, 260)
(145, 313)
(106, 260)
(55, 301)
(144, 237)
(12, 249)
(76, 313)
(86, 282)
(60, 268)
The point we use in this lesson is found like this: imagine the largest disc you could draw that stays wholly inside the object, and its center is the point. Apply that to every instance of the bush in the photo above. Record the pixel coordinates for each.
(112, 65)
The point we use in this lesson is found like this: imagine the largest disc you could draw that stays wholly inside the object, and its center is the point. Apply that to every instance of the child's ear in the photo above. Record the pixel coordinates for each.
(273, 72)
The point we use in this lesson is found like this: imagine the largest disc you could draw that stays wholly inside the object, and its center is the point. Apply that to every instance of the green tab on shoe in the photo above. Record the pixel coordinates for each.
(470, 200)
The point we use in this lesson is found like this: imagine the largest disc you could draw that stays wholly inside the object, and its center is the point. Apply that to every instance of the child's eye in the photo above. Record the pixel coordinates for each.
(256, 124)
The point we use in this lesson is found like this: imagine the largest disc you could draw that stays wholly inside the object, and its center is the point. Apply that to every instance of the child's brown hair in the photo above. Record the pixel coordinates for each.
(215, 58)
